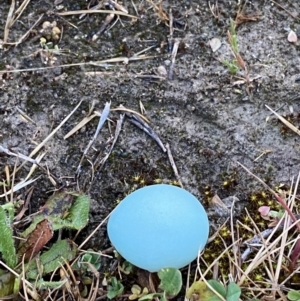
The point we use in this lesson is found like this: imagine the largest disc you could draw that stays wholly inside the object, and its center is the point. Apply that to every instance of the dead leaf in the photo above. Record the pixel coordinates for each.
(36, 240)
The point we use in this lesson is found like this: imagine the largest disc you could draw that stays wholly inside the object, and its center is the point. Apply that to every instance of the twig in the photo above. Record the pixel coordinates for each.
(9, 21)
(79, 12)
(255, 241)
(172, 162)
(141, 124)
(24, 36)
(266, 250)
(102, 120)
(234, 248)
(37, 149)
(117, 132)
(173, 58)
(82, 123)
(12, 17)
(277, 197)
(121, 108)
(96, 63)
(96, 229)
(18, 187)
(284, 121)
(15, 273)
(285, 9)
(170, 37)
(18, 155)
(106, 22)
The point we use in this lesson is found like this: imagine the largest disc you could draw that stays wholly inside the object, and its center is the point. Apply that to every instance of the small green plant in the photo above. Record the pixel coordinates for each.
(50, 260)
(88, 261)
(214, 291)
(170, 284)
(64, 210)
(232, 66)
(126, 267)
(138, 292)
(115, 288)
(7, 247)
(237, 63)
(49, 46)
(294, 295)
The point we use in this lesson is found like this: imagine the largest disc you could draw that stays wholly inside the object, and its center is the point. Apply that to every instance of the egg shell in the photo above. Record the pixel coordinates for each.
(159, 226)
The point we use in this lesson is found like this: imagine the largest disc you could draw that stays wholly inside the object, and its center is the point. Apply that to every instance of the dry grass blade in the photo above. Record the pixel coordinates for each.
(82, 123)
(287, 221)
(145, 127)
(80, 12)
(210, 267)
(19, 186)
(19, 11)
(282, 7)
(93, 233)
(15, 273)
(159, 10)
(278, 199)
(235, 249)
(117, 133)
(37, 149)
(131, 111)
(96, 63)
(35, 165)
(9, 21)
(13, 16)
(126, 75)
(101, 122)
(174, 167)
(173, 58)
(284, 121)
(24, 36)
(268, 249)
(202, 276)
(18, 155)
(123, 59)
(25, 116)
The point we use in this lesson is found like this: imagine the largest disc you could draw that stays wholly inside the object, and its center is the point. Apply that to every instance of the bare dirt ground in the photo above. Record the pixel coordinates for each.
(210, 118)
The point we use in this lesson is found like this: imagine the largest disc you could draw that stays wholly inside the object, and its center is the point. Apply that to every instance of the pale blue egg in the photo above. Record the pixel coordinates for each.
(159, 226)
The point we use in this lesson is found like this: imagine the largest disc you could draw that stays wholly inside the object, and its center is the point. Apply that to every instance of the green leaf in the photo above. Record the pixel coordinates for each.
(170, 281)
(92, 258)
(52, 259)
(218, 287)
(115, 289)
(42, 285)
(62, 212)
(10, 208)
(7, 280)
(7, 247)
(135, 289)
(126, 267)
(150, 296)
(200, 289)
(294, 295)
(78, 216)
(163, 297)
(233, 292)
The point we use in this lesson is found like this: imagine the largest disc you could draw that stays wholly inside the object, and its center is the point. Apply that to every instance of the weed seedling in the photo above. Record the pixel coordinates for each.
(115, 288)
(237, 63)
(170, 284)
(214, 290)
